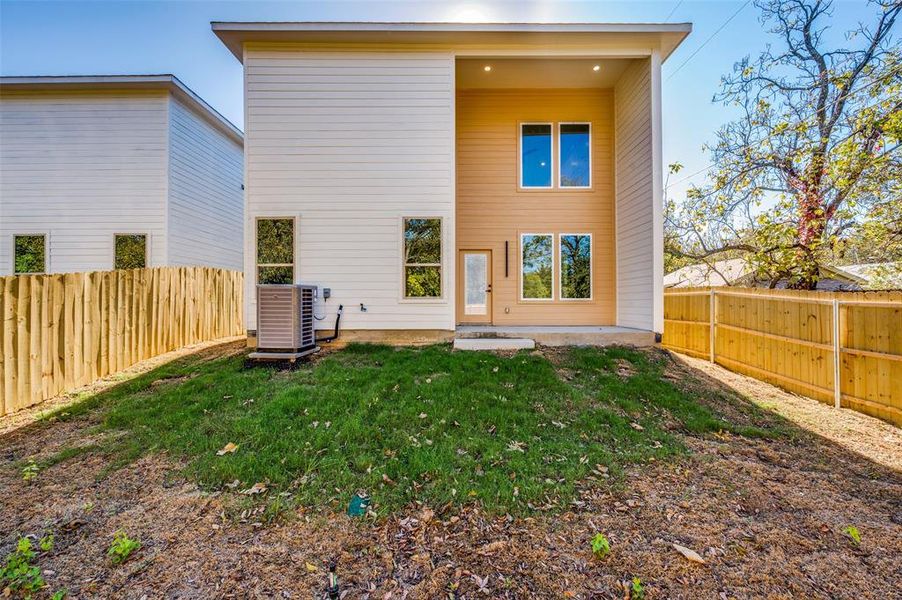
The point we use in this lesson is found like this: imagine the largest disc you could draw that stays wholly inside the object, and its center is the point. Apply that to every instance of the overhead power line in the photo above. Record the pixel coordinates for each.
(892, 73)
(711, 37)
(673, 10)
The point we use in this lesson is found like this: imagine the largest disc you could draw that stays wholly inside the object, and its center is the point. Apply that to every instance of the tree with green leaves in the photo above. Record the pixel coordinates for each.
(814, 159)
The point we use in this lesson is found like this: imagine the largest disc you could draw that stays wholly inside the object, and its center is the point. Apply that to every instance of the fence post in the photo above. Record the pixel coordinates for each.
(837, 380)
(712, 324)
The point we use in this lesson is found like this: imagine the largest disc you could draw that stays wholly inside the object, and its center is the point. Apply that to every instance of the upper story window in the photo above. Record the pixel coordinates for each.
(130, 251)
(29, 254)
(423, 258)
(575, 159)
(535, 155)
(275, 250)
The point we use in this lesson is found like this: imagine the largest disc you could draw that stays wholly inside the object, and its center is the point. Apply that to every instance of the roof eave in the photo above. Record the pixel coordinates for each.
(235, 34)
(167, 82)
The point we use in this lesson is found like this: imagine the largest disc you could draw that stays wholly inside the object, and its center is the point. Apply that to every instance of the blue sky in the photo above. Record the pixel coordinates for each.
(70, 37)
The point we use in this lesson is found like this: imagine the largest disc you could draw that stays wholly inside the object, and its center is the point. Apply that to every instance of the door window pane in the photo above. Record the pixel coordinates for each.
(537, 266)
(535, 155)
(576, 266)
(131, 251)
(575, 166)
(476, 284)
(422, 258)
(275, 251)
(30, 253)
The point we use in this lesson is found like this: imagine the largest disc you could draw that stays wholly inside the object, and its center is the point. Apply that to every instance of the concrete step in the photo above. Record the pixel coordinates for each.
(490, 343)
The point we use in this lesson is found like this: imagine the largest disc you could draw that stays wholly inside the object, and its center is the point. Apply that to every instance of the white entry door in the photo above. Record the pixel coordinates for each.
(475, 301)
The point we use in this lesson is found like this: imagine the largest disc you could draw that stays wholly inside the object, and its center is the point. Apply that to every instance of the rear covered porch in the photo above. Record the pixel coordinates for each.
(558, 220)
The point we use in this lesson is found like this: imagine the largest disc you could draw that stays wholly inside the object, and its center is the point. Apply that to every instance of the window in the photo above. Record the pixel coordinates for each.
(423, 258)
(30, 253)
(576, 266)
(535, 155)
(537, 266)
(275, 250)
(130, 251)
(575, 158)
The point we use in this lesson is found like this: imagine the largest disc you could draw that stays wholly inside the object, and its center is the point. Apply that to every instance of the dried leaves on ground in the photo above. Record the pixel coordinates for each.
(767, 516)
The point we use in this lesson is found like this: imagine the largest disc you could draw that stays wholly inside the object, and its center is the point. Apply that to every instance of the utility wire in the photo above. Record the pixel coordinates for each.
(673, 10)
(711, 37)
(896, 71)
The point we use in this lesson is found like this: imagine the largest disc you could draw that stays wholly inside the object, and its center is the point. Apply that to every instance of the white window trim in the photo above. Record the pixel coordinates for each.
(403, 297)
(294, 246)
(591, 268)
(12, 241)
(146, 235)
(560, 158)
(551, 135)
(553, 261)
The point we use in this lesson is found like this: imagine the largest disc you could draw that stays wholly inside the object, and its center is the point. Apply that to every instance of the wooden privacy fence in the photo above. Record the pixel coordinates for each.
(63, 331)
(844, 348)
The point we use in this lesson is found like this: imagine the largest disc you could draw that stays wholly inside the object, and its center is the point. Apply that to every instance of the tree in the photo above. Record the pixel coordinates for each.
(814, 158)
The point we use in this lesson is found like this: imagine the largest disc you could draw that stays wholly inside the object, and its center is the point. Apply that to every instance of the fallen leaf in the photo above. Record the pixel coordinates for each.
(492, 547)
(689, 554)
(388, 480)
(234, 484)
(636, 426)
(516, 446)
(229, 448)
(257, 488)
(310, 568)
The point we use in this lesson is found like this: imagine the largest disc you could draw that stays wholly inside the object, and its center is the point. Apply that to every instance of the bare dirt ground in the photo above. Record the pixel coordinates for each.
(767, 516)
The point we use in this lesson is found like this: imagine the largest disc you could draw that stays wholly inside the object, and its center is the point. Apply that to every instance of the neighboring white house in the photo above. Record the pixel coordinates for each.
(104, 171)
(737, 272)
(731, 271)
(448, 176)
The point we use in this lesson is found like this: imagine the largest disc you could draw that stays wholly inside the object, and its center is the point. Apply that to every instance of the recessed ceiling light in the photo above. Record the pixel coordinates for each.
(487, 68)
(596, 68)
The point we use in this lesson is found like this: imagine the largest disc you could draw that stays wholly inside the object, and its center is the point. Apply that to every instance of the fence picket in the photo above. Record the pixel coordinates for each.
(843, 347)
(59, 332)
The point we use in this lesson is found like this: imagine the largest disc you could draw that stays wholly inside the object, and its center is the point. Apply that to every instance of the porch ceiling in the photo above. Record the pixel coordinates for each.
(513, 73)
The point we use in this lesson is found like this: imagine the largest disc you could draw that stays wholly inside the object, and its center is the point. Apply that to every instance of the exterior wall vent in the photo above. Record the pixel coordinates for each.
(285, 318)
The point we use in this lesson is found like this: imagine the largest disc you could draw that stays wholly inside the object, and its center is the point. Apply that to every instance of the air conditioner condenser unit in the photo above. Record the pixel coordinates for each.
(285, 321)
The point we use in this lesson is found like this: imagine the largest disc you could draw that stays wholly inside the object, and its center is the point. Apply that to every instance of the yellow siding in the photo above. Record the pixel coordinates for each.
(491, 210)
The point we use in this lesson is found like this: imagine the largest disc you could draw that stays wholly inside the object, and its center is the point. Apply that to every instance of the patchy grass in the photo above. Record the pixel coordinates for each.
(511, 433)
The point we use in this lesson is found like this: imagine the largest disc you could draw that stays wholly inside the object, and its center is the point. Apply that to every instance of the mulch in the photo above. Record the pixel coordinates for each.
(767, 517)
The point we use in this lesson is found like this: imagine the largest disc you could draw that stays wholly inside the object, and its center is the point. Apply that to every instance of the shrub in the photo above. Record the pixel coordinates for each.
(122, 547)
(600, 546)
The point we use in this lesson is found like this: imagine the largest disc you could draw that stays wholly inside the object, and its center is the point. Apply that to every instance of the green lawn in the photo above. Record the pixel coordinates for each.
(507, 432)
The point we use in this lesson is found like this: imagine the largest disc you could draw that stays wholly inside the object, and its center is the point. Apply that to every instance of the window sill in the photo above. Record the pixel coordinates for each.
(423, 300)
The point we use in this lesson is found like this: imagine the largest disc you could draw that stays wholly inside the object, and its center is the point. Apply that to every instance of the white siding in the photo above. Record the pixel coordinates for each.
(80, 168)
(634, 197)
(206, 201)
(350, 143)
